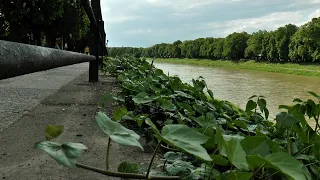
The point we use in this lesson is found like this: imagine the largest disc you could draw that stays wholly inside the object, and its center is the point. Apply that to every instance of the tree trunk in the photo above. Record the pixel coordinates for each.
(15, 32)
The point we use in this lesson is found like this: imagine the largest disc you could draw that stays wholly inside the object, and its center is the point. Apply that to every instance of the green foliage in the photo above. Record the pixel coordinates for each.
(213, 139)
(53, 131)
(304, 44)
(235, 45)
(119, 113)
(65, 154)
(255, 44)
(117, 132)
(236, 140)
(128, 167)
(282, 162)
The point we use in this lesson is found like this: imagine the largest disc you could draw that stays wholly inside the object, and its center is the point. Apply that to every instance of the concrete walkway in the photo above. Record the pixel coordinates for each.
(59, 97)
(20, 94)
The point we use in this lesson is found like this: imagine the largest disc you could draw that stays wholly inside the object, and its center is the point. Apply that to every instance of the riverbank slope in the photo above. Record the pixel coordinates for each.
(286, 68)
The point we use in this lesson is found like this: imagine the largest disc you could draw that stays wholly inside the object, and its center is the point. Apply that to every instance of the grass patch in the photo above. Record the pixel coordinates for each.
(286, 68)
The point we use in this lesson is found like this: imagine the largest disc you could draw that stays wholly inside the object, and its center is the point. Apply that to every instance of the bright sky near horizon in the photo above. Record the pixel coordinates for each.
(142, 23)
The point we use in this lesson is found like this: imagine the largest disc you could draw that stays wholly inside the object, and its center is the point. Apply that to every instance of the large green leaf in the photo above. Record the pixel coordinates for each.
(143, 98)
(210, 132)
(183, 94)
(255, 161)
(210, 94)
(251, 105)
(166, 104)
(117, 132)
(219, 160)
(240, 175)
(283, 162)
(297, 113)
(186, 139)
(65, 154)
(262, 104)
(129, 167)
(256, 145)
(199, 85)
(205, 121)
(235, 153)
(185, 106)
(154, 128)
(285, 119)
(119, 113)
(53, 131)
(314, 94)
(289, 166)
(316, 147)
(179, 167)
(173, 156)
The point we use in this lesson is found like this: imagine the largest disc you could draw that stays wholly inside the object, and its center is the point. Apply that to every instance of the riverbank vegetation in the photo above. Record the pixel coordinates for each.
(286, 68)
(200, 137)
(286, 44)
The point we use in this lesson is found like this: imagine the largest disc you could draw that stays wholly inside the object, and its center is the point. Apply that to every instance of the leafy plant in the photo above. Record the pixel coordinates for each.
(211, 138)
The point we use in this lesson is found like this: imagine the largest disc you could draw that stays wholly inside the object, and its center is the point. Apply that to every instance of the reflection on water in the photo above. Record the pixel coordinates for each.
(238, 85)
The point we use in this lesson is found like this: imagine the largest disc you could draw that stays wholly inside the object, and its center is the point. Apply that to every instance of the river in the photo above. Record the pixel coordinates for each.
(237, 86)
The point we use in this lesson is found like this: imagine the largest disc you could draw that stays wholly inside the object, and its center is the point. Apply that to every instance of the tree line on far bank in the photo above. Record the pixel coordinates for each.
(286, 44)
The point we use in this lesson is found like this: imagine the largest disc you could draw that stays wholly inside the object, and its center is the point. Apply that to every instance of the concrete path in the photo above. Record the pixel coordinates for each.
(59, 97)
(20, 94)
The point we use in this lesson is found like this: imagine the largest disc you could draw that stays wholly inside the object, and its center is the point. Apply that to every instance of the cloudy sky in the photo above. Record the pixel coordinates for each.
(142, 23)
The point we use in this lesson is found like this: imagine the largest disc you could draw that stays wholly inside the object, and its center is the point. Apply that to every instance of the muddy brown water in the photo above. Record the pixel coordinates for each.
(237, 85)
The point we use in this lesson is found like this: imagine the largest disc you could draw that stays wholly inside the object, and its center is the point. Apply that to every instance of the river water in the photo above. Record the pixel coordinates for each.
(237, 86)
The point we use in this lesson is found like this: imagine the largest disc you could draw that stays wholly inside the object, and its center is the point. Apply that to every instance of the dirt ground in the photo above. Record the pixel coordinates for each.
(74, 106)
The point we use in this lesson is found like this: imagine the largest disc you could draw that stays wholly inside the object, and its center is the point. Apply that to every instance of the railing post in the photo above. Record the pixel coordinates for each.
(96, 45)
(93, 65)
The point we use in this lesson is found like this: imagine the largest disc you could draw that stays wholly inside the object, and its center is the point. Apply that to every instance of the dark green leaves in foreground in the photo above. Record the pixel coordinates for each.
(119, 113)
(128, 167)
(117, 132)
(283, 162)
(227, 142)
(184, 138)
(65, 154)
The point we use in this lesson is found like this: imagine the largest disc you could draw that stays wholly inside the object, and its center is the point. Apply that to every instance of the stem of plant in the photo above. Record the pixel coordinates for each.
(153, 156)
(254, 174)
(271, 175)
(317, 124)
(164, 165)
(289, 141)
(124, 175)
(107, 154)
(311, 164)
(304, 150)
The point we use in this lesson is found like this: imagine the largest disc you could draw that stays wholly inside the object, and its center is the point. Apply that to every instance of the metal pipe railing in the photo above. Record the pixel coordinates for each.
(18, 59)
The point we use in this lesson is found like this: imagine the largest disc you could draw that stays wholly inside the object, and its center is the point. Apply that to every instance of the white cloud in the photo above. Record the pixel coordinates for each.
(269, 22)
(121, 19)
(138, 31)
(315, 14)
(186, 4)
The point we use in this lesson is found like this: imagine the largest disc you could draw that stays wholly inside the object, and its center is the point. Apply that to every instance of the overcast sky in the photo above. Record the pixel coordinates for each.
(142, 23)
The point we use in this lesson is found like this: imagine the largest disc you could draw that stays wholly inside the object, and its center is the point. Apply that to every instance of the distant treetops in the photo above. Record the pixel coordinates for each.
(287, 44)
